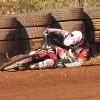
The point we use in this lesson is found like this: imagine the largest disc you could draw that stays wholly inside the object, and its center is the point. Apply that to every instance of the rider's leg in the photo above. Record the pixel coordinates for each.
(47, 63)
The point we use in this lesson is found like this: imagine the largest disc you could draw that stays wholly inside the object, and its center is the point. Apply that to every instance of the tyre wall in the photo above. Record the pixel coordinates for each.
(8, 37)
(92, 27)
(19, 33)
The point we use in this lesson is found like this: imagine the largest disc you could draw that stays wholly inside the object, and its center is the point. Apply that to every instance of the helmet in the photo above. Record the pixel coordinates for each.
(74, 37)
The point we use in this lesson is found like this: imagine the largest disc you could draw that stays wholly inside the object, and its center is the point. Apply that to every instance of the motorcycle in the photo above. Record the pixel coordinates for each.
(20, 62)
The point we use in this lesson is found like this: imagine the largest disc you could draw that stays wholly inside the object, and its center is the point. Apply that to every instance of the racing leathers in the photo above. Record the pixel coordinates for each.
(71, 50)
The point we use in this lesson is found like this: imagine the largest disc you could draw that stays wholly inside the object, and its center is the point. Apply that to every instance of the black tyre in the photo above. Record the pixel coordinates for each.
(93, 36)
(31, 32)
(8, 40)
(92, 12)
(3, 58)
(33, 19)
(9, 34)
(10, 46)
(30, 44)
(92, 25)
(66, 14)
(96, 24)
(8, 22)
(70, 25)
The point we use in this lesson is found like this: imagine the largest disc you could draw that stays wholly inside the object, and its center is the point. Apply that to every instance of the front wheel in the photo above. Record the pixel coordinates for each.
(16, 63)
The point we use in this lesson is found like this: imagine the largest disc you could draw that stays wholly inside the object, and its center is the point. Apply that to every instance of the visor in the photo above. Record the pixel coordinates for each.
(68, 41)
(73, 38)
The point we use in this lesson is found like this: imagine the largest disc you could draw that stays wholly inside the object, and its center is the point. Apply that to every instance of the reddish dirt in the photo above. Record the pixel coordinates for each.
(82, 83)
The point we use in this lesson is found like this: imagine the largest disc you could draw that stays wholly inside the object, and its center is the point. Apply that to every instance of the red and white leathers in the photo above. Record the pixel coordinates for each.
(45, 59)
(71, 57)
(78, 49)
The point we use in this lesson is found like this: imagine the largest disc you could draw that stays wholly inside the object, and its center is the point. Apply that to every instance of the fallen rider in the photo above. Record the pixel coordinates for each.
(65, 49)
(70, 49)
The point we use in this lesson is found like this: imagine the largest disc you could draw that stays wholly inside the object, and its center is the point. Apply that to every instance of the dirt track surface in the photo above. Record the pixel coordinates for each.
(81, 83)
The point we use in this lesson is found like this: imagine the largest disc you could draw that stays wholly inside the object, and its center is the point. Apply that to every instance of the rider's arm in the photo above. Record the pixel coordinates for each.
(58, 31)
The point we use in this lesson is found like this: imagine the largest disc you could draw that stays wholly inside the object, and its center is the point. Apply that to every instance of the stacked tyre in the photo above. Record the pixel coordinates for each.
(69, 19)
(30, 28)
(92, 24)
(8, 38)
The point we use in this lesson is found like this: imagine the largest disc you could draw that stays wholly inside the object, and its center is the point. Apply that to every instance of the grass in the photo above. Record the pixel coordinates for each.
(22, 6)
(94, 60)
